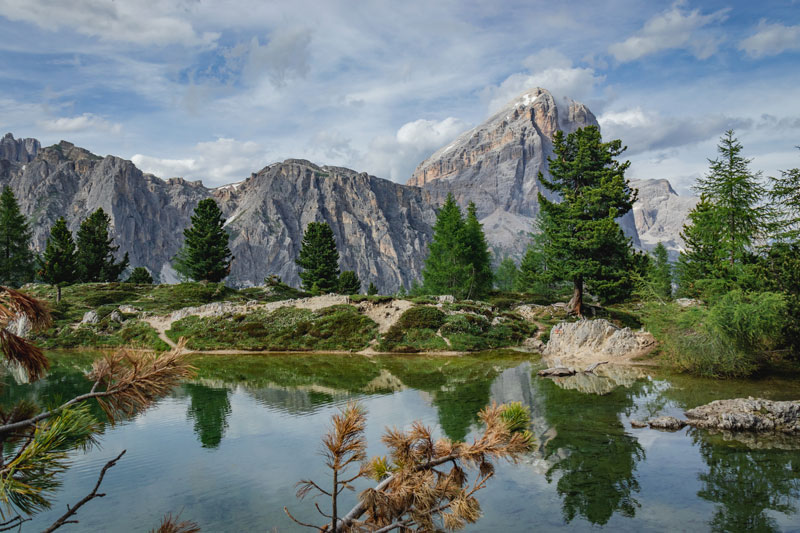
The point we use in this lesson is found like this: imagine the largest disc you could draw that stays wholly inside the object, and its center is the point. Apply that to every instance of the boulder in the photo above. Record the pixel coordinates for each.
(115, 316)
(90, 317)
(127, 309)
(669, 423)
(557, 372)
(638, 424)
(445, 299)
(596, 339)
(747, 414)
(20, 326)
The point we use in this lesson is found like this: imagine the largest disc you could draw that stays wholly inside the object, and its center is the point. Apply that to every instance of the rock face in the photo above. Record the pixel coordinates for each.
(596, 340)
(659, 214)
(381, 228)
(747, 414)
(497, 163)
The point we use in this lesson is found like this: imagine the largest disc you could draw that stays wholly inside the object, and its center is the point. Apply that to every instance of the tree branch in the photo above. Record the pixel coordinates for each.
(86, 499)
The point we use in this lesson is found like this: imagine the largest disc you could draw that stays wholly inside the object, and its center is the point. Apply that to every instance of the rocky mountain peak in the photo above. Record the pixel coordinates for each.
(18, 150)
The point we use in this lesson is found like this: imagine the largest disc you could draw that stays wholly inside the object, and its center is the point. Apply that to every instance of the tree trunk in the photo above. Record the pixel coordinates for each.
(58, 294)
(576, 303)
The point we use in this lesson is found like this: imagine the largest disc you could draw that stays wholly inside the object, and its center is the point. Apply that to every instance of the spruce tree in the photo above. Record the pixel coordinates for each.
(584, 244)
(17, 263)
(702, 257)
(446, 269)
(319, 259)
(95, 250)
(58, 265)
(661, 272)
(785, 195)
(477, 256)
(372, 290)
(505, 278)
(534, 277)
(205, 255)
(735, 192)
(349, 283)
(140, 276)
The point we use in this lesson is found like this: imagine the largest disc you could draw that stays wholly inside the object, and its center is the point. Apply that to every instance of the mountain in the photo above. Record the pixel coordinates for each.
(382, 228)
(496, 165)
(660, 213)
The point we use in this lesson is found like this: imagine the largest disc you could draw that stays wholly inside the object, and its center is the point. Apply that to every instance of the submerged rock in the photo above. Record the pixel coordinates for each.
(747, 414)
(557, 371)
(669, 423)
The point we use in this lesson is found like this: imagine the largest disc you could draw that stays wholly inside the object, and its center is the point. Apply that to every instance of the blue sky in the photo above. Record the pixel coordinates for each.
(217, 90)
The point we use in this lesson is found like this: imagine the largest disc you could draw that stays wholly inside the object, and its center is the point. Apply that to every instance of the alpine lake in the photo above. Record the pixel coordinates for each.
(227, 449)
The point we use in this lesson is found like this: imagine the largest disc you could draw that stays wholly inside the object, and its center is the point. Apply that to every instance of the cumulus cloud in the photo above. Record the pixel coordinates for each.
(80, 123)
(551, 70)
(673, 29)
(216, 162)
(144, 22)
(396, 157)
(771, 39)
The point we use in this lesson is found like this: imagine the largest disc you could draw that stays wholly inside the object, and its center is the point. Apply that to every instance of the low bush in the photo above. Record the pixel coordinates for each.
(421, 317)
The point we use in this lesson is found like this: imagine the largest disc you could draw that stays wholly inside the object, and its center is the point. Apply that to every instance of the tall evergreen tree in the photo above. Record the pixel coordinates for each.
(319, 259)
(17, 264)
(349, 283)
(661, 272)
(477, 255)
(584, 244)
(95, 250)
(59, 265)
(205, 255)
(735, 192)
(505, 278)
(703, 256)
(785, 195)
(446, 270)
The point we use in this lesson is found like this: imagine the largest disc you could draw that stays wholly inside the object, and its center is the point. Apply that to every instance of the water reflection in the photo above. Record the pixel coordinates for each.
(209, 408)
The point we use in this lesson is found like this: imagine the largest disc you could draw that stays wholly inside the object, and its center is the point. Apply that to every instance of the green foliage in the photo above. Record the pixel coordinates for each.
(477, 256)
(583, 243)
(732, 338)
(58, 265)
(372, 289)
(17, 264)
(140, 276)
(421, 317)
(319, 259)
(205, 255)
(660, 273)
(516, 416)
(780, 269)
(785, 196)
(349, 283)
(446, 271)
(95, 252)
(505, 277)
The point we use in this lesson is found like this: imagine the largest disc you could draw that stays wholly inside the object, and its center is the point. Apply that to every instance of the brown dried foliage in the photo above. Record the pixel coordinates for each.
(174, 524)
(14, 304)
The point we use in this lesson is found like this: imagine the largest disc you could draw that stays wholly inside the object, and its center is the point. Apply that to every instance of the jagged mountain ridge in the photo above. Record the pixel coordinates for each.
(382, 228)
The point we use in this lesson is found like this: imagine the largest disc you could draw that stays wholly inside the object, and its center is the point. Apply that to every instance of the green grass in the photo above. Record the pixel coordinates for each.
(105, 334)
(339, 327)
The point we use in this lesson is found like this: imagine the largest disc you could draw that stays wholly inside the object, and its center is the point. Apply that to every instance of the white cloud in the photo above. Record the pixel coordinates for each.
(673, 29)
(396, 157)
(643, 131)
(215, 162)
(80, 123)
(144, 22)
(771, 39)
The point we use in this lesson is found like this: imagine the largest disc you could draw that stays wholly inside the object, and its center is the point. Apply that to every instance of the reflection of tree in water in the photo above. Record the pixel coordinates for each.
(209, 408)
(747, 483)
(594, 456)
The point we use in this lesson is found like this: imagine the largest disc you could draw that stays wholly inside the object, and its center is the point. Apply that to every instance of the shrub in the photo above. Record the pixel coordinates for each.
(421, 317)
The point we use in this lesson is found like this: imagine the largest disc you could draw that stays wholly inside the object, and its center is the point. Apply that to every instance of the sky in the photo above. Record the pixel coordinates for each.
(215, 91)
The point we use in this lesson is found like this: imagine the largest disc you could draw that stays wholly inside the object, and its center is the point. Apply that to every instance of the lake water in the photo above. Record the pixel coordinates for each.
(227, 449)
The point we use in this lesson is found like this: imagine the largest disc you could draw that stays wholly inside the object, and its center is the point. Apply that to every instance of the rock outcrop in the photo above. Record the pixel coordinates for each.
(382, 228)
(659, 214)
(747, 414)
(596, 340)
(496, 165)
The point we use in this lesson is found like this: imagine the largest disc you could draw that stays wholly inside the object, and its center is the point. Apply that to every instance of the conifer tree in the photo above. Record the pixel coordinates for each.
(534, 276)
(140, 276)
(17, 264)
(785, 195)
(58, 265)
(735, 192)
(446, 269)
(372, 290)
(661, 272)
(505, 278)
(319, 259)
(95, 250)
(584, 244)
(349, 283)
(703, 257)
(205, 255)
(477, 256)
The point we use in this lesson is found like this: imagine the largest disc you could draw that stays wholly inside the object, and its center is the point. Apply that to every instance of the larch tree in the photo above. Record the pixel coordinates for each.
(319, 259)
(58, 265)
(205, 255)
(17, 262)
(785, 196)
(477, 256)
(349, 283)
(660, 272)
(95, 250)
(446, 270)
(584, 244)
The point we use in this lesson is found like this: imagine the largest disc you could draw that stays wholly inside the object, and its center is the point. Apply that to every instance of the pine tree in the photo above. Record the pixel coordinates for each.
(349, 283)
(58, 265)
(584, 244)
(735, 192)
(446, 269)
(477, 256)
(372, 290)
(505, 278)
(785, 195)
(205, 255)
(319, 259)
(660, 275)
(140, 276)
(534, 277)
(17, 263)
(95, 252)
(703, 257)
